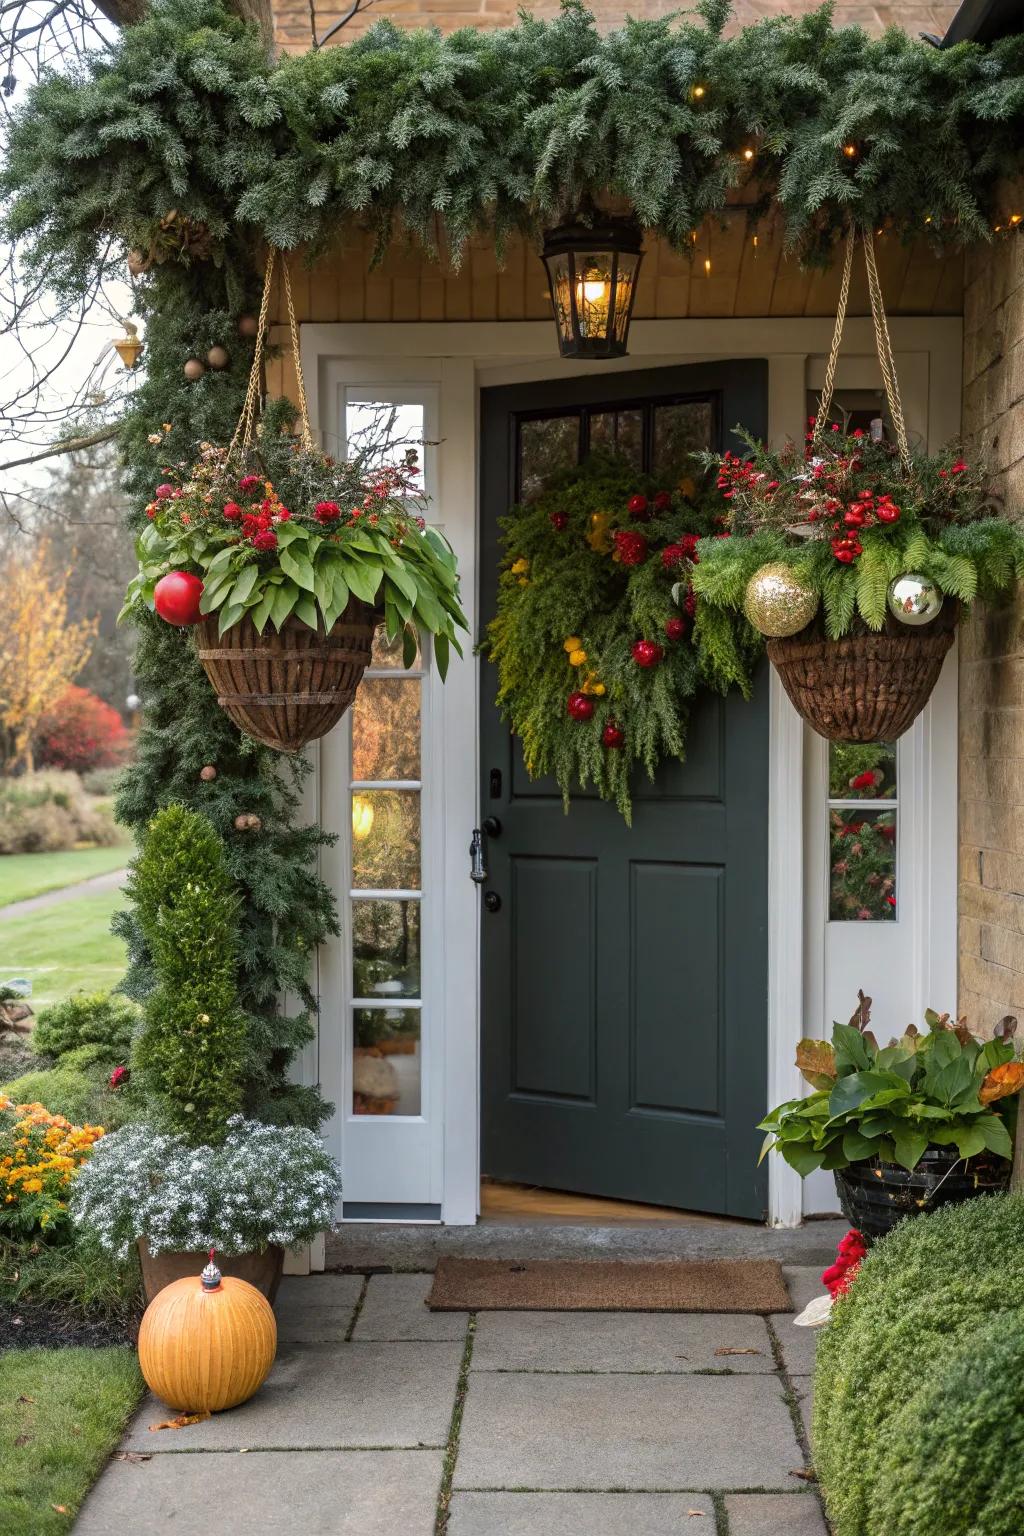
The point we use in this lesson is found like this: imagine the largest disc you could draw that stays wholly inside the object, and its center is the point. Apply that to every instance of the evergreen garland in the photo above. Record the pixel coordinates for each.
(597, 670)
(287, 910)
(487, 132)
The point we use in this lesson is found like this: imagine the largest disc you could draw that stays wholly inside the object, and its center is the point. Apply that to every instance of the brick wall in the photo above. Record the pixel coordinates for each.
(991, 895)
(292, 17)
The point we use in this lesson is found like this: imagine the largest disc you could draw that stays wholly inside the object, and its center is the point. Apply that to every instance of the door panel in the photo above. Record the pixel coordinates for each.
(624, 973)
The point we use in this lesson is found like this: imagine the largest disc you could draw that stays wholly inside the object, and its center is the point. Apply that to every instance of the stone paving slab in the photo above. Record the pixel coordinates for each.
(364, 1395)
(619, 1341)
(396, 1308)
(804, 1282)
(318, 1493)
(767, 1514)
(661, 1432)
(798, 1345)
(316, 1309)
(580, 1514)
(803, 1386)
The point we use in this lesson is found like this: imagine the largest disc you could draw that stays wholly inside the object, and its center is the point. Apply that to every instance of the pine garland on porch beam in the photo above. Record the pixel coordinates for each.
(490, 132)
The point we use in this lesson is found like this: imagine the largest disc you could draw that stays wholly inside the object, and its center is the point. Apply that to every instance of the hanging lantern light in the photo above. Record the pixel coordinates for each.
(128, 347)
(362, 817)
(592, 271)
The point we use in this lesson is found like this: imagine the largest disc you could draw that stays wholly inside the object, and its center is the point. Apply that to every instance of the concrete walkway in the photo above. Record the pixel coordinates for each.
(381, 1418)
(111, 881)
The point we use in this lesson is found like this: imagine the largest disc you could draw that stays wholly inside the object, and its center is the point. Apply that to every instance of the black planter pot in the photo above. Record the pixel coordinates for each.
(874, 1196)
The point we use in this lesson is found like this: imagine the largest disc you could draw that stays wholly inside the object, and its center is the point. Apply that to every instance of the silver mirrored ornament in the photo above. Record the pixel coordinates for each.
(914, 599)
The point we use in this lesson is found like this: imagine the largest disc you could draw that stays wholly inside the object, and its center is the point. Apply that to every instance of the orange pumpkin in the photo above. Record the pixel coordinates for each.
(207, 1344)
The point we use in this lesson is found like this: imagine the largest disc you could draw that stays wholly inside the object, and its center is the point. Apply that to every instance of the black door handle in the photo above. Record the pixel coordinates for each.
(492, 826)
(492, 901)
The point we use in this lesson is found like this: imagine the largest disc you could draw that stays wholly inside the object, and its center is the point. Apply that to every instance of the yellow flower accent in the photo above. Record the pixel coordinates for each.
(688, 487)
(572, 644)
(523, 581)
(204, 1018)
(599, 538)
(599, 689)
(520, 567)
(577, 658)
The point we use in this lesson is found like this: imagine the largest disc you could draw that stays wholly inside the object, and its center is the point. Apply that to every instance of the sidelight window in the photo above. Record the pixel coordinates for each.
(862, 819)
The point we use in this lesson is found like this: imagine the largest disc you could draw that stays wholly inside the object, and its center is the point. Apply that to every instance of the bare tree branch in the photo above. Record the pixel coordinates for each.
(71, 445)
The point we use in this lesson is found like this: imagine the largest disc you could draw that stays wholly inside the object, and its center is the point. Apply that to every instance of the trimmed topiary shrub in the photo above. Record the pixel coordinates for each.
(920, 1297)
(87, 1018)
(189, 1055)
(960, 1442)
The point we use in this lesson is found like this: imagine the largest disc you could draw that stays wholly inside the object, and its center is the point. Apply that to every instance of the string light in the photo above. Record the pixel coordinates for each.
(748, 154)
(1015, 218)
(707, 266)
(698, 92)
(850, 151)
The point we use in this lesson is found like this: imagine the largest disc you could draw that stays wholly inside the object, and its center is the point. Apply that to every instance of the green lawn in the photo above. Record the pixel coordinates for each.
(30, 874)
(65, 948)
(62, 1412)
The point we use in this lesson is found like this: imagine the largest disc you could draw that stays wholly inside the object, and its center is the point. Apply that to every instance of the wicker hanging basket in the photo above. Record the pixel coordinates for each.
(288, 688)
(864, 687)
(867, 686)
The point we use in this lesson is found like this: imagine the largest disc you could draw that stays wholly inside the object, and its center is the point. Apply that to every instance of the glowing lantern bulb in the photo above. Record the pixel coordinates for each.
(362, 818)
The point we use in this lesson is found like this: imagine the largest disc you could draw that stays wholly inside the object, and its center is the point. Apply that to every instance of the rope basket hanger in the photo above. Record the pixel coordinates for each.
(865, 686)
(289, 687)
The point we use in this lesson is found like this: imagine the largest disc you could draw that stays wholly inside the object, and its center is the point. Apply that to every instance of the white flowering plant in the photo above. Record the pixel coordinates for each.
(263, 1185)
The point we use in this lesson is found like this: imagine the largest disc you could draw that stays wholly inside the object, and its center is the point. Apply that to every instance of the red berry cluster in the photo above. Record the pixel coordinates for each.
(850, 1254)
(630, 547)
(736, 474)
(685, 548)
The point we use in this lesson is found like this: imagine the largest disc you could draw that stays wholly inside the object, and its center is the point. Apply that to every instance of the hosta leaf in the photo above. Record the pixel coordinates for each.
(299, 567)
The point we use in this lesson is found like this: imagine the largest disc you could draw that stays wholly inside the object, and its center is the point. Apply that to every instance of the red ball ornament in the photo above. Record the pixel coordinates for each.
(579, 707)
(560, 521)
(630, 547)
(675, 628)
(662, 501)
(646, 653)
(639, 509)
(176, 598)
(612, 736)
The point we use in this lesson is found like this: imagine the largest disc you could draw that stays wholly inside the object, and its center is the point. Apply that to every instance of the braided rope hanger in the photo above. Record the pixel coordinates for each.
(883, 346)
(245, 432)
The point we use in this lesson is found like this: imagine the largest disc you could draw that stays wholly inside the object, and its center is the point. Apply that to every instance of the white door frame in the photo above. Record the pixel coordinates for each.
(463, 357)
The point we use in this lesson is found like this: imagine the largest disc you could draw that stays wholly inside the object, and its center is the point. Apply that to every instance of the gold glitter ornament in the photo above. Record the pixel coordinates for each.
(778, 601)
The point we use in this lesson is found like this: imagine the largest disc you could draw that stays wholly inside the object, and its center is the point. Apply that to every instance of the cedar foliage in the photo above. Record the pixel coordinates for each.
(287, 910)
(189, 1055)
(489, 132)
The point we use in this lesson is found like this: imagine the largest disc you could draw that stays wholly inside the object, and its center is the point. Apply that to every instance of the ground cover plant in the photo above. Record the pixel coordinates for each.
(905, 1332)
(61, 1414)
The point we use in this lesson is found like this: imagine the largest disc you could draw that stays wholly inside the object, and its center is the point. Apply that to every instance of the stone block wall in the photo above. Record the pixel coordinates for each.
(991, 893)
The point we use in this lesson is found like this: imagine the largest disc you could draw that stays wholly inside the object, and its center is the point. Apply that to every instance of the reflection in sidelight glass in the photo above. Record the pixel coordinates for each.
(547, 446)
(862, 771)
(620, 432)
(386, 844)
(386, 1061)
(862, 865)
(386, 729)
(385, 948)
(680, 430)
(388, 653)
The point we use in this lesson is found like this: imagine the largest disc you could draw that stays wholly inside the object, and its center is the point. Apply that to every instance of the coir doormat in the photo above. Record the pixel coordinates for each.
(602, 1285)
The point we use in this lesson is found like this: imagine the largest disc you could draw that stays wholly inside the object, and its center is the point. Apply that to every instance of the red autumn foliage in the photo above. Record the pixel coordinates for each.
(80, 732)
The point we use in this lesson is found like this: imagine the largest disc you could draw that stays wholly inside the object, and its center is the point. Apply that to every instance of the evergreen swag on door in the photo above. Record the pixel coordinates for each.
(598, 664)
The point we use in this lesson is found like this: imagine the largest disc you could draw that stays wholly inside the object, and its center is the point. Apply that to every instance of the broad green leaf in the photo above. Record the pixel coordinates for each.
(856, 1148)
(410, 645)
(364, 580)
(441, 655)
(803, 1159)
(261, 613)
(229, 614)
(910, 1146)
(243, 586)
(285, 598)
(997, 1137)
(851, 1049)
(970, 1140)
(299, 567)
(306, 610)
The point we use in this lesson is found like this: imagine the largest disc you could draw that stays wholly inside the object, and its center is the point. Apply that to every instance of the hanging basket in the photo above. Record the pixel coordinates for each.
(866, 686)
(288, 688)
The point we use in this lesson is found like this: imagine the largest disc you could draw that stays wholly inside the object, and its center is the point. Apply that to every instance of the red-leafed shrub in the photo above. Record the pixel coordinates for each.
(80, 732)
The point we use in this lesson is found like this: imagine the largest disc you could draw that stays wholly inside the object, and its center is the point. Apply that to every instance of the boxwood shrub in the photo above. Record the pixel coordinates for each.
(87, 1018)
(961, 1442)
(919, 1300)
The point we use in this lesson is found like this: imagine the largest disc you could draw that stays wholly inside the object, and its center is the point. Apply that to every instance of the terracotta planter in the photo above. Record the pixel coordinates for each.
(874, 1195)
(288, 689)
(263, 1270)
(866, 686)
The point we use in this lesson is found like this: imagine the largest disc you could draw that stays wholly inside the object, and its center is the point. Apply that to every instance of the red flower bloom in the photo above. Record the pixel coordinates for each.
(283, 515)
(662, 501)
(326, 511)
(630, 547)
(265, 539)
(865, 780)
(118, 1076)
(248, 483)
(959, 468)
(232, 510)
(164, 491)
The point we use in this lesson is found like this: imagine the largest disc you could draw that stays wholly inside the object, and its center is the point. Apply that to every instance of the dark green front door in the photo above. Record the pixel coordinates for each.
(625, 970)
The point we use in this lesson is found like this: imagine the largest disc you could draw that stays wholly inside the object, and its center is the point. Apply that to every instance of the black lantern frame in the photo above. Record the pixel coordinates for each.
(592, 274)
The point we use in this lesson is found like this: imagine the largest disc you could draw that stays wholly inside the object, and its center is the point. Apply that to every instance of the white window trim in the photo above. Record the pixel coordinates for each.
(463, 357)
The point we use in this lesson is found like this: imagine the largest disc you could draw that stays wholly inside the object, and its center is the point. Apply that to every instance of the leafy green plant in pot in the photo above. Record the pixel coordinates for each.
(922, 1122)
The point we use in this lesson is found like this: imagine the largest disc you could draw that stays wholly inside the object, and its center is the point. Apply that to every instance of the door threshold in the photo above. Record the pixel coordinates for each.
(507, 1204)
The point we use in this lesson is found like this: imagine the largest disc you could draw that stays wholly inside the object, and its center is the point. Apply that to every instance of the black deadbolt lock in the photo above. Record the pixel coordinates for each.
(492, 901)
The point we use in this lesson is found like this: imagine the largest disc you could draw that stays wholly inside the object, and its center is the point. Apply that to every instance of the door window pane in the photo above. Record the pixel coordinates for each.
(862, 865)
(546, 448)
(385, 949)
(679, 431)
(389, 653)
(620, 432)
(381, 431)
(386, 840)
(386, 729)
(386, 1061)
